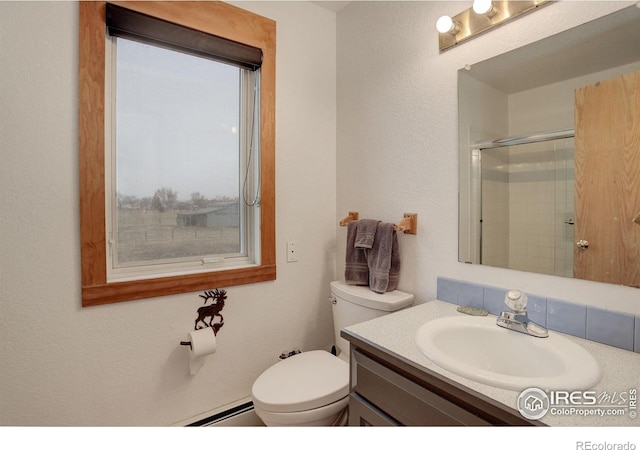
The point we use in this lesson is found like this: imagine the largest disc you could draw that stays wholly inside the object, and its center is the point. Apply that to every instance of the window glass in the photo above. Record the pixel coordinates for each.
(177, 157)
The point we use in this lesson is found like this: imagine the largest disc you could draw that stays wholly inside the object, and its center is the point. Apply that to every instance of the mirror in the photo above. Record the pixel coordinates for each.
(520, 207)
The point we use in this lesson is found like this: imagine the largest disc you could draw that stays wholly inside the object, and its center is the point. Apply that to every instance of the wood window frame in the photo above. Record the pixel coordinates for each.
(212, 17)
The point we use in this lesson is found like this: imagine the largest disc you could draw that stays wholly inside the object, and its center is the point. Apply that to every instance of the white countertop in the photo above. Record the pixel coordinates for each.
(394, 334)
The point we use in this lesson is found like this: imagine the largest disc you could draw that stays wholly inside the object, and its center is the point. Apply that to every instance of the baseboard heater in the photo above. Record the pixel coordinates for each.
(223, 415)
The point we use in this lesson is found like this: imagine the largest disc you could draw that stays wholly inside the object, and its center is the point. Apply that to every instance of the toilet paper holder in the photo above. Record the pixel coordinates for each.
(211, 311)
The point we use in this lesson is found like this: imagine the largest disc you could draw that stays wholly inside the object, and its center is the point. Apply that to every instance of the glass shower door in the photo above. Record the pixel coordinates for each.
(527, 206)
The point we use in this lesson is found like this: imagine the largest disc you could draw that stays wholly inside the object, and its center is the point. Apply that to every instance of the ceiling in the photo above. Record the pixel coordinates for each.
(331, 5)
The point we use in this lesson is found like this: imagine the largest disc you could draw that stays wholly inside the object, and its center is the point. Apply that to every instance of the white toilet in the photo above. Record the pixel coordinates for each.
(312, 388)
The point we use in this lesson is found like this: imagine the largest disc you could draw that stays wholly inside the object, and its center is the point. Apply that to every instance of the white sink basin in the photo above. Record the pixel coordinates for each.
(478, 349)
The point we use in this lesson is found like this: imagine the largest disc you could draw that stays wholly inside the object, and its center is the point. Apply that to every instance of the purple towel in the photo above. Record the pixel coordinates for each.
(356, 269)
(383, 260)
(366, 233)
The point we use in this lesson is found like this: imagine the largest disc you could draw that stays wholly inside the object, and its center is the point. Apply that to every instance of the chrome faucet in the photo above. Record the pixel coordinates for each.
(517, 318)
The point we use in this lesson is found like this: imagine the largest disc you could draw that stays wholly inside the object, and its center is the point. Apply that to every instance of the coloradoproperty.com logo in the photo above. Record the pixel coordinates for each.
(535, 403)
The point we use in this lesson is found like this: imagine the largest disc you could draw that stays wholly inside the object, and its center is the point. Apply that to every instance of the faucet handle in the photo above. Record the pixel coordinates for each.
(516, 300)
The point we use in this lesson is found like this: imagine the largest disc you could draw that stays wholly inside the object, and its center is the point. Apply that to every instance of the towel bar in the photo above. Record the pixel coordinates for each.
(408, 225)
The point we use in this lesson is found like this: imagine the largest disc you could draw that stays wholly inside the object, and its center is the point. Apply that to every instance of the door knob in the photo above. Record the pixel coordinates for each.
(583, 244)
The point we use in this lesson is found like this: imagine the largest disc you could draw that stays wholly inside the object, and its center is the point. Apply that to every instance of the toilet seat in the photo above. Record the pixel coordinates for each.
(302, 382)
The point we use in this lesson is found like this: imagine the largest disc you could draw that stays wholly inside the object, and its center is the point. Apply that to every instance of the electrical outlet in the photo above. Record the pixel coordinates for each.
(292, 255)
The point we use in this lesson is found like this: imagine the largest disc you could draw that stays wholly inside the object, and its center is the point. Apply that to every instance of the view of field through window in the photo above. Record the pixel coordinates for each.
(177, 163)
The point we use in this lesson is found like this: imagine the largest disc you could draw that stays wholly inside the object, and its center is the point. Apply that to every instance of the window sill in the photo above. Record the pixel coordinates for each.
(139, 289)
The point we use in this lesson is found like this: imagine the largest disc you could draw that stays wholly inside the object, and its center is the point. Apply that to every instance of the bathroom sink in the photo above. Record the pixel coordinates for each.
(478, 349)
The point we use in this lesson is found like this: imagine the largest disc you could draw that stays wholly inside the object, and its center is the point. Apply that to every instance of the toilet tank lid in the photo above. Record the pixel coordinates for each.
(363, 296)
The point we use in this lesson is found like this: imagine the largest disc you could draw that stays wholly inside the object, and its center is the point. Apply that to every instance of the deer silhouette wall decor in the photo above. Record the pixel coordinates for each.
(211, 311)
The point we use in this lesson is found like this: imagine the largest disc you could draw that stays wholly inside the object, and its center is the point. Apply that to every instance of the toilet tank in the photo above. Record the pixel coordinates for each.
(355, 304)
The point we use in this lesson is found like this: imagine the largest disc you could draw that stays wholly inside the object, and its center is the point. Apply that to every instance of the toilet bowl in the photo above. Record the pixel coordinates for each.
(312, 388)
(308, 389)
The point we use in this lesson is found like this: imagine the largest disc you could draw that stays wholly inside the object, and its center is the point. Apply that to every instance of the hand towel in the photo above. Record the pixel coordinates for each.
(394, 270)
(366, 233)
(356, 269)
(383, 259)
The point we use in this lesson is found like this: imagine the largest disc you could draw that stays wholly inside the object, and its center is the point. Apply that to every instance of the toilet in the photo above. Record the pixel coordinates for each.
(312, 388)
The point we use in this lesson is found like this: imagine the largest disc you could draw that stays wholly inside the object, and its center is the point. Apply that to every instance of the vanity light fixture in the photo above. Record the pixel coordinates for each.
(483, 16)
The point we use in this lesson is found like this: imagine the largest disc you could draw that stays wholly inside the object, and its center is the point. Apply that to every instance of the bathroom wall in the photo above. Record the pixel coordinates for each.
(398, 136)
(120, 364)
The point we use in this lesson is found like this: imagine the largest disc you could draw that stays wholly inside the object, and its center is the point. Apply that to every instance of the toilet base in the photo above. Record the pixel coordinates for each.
(334, 414)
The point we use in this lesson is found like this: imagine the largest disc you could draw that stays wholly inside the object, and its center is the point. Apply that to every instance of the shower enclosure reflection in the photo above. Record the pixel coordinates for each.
(524, 203)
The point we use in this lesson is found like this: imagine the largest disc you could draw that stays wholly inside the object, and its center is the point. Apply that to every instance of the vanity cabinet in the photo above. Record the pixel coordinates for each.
(387, 391)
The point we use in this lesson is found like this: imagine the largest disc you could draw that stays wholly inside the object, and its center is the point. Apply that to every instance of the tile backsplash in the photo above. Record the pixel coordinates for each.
(613, 328)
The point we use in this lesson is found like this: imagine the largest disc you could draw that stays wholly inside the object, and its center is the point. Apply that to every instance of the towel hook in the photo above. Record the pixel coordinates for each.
(409, 224)
(353, 215)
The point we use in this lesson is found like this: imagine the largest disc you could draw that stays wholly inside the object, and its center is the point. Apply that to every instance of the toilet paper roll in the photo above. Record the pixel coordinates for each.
(203, 342)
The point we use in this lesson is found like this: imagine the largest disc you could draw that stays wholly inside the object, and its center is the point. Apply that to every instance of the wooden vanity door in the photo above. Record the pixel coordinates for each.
(607, 180)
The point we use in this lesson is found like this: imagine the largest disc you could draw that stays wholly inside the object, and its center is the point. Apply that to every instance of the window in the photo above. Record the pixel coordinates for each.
(176, 151)
(183, 153)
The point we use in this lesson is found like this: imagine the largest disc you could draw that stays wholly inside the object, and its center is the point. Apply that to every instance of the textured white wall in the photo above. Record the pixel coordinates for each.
(397, 136)
(121, 364)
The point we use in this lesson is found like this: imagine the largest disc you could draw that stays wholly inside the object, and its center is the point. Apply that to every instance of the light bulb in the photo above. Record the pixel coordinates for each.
(445, 24)
(484, 7)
